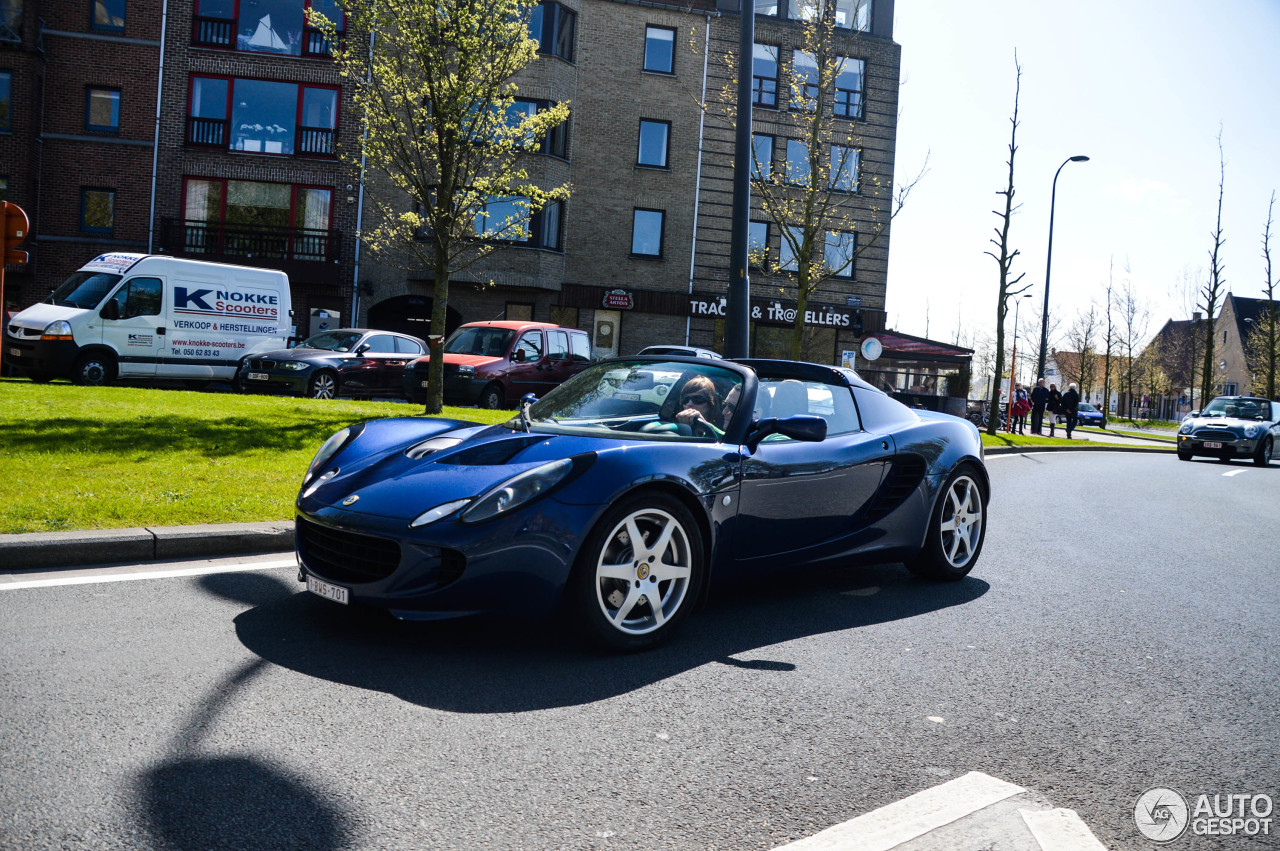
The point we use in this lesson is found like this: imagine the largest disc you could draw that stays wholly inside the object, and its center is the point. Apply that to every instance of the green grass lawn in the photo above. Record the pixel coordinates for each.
(1004, 438)
(96, 458)
(1146, 434)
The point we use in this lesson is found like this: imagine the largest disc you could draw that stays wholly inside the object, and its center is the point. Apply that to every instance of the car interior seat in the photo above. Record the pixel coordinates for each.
(790, 398)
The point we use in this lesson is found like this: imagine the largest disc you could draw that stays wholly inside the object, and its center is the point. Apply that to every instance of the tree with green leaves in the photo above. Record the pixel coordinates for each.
(1009, 288)
(443, 136)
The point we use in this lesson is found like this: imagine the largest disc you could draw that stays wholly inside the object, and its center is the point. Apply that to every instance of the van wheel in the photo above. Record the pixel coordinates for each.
(94, 370)
(323, 385)
(491, 398)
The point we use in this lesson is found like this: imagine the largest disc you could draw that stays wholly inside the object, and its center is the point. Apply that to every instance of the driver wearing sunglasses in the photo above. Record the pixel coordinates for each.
(700, 409)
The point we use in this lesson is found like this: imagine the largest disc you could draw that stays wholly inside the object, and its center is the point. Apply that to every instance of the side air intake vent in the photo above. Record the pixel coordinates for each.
(904, 476)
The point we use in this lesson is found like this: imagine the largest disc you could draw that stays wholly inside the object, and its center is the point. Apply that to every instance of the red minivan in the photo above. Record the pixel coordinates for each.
(493, 364)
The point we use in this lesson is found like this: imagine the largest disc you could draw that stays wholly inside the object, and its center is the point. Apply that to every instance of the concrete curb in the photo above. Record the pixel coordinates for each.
(152, 543)
(1083, 447)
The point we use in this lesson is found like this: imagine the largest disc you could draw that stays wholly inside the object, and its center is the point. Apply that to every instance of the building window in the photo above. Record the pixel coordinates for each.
(261, 116)
(97, 210)
(849, 14)
(844, 169)
(659, 49)
(257, 219)
(797, 162)
(1229, 388)
(804, 95)
(107, 15)
(838, 254)
(646, 232)
(769, 8)
(4, 189)
(265, 26)
(786, 254)
(762, 156)
(554, 142)
(655, 138)
(6, 101)
(519, 311)
(850, 74)
(11, 21)
(552, 25)
(758, 244)
(567, 317)
(507, 219)
(102, 110)
(764, 75)
(545, 229)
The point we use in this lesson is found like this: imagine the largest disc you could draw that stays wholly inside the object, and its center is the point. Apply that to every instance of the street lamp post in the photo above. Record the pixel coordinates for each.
(1013, 360)
(1048, 264)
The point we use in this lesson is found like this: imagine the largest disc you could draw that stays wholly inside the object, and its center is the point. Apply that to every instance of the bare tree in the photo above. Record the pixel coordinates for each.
(1108, 343)
(1082, 340)
(1212, 292)
(1133, 318)
(1264, 341)
(1008, 287)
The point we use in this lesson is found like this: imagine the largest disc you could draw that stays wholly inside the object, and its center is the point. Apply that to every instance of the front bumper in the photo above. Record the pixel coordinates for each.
(1235, 447)
(40, 358)
(276, 381)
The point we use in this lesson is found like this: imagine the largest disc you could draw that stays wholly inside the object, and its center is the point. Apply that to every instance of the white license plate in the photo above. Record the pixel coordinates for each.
(336, 593)
(1209, 444)
(629, 397)
(17, 353)
(258, 376)
(422, 384)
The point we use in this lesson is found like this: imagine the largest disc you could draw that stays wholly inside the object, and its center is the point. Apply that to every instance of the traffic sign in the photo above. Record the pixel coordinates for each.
(15, 224)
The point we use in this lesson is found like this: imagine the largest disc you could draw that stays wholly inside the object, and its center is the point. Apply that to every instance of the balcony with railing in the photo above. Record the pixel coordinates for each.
(315, 251)
(215, 133)
(213, 32)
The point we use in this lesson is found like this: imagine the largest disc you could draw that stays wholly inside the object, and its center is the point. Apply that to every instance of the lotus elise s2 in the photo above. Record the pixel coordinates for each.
(626, 501)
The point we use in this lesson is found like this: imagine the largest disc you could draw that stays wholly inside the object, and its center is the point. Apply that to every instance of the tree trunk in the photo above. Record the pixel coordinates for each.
(436, 337)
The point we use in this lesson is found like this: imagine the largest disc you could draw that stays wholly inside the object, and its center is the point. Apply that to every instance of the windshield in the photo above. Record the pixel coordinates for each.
(492, 342)
(84, 289)
(331, 341)
(1086, 407)
(641, 399)
(1244, 409)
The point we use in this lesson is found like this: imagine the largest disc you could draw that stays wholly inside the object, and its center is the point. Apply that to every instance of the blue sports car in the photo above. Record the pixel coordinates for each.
(629, 505)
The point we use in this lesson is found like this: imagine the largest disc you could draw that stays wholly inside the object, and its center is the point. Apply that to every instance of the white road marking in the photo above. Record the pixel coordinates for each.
(910, 818)
(1235, 472)
(1061, 830)
(82, 579)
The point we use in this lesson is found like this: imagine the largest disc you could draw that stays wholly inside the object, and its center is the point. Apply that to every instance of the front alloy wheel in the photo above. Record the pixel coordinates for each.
(1263, 456)
(324, 385)
(957, 528)
(640, 571)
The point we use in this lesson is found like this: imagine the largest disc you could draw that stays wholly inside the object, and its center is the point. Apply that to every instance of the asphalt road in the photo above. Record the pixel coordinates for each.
(1119, 633)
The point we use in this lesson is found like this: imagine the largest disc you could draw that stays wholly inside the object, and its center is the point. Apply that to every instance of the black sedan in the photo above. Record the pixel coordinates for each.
(630, 509)
(349, 362)
(1232, 427)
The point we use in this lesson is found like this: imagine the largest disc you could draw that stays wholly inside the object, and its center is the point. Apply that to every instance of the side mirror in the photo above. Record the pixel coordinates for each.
(362, 348)
(110, 310)
(1194, 414)
(518, 356)
(800, 427)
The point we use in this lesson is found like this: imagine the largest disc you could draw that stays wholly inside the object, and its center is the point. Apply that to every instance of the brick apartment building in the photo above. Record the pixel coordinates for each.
(239, 162)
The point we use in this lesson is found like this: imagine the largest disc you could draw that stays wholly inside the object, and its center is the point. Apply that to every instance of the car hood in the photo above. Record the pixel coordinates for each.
(38, 316)
(1227, 423)
(299, 353)
(392, 483)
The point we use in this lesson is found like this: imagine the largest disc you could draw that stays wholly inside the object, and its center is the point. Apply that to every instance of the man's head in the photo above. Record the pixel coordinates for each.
(1071, 386)
(730, 403)
(1039, 382)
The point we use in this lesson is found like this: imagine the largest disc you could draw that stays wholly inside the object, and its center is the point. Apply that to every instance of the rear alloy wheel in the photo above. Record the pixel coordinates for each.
(639, 572)
(957, 528)
(1263, 456)
(94, 370)
(323, 385)
(492, 397)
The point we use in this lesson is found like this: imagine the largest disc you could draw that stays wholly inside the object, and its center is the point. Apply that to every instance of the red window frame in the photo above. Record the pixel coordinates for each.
(297, 113)
(235, 24)
(293, 196)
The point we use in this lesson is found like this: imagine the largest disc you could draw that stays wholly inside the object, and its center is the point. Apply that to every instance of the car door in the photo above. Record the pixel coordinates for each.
(526, 374)
(358, 369)
(381, 353)
(559, 363)
(406, 351)
(133, 324)
(797, 495)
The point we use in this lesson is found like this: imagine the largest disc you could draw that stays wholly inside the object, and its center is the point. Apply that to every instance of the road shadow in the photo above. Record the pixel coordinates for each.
(487, 665)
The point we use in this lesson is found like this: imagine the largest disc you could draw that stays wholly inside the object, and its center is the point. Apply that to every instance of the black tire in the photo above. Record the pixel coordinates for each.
(611, 588)
(323, 385)
(1262, 457)
(962, 505)
(491, 397)
(96, 369)
(1184, 456)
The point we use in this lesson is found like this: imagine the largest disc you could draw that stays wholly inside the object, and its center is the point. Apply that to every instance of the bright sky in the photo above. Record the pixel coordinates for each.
(1140, 87)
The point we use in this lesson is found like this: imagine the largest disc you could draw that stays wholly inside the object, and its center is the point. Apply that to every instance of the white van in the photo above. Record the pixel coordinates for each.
(150, 316)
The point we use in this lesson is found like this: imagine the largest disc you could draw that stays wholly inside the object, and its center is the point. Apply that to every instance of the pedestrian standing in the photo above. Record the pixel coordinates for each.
(1071, 407)
(1054, 406)
(1039, 398)
(1020, 408)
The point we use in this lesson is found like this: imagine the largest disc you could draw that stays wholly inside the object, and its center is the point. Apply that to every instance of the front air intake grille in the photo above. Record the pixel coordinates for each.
(260, 363)
(905, 473)
(1210, 434)
(343, 556)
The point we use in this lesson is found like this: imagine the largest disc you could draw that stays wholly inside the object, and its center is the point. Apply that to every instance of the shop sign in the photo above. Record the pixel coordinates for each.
(619, 300)
(774, 312)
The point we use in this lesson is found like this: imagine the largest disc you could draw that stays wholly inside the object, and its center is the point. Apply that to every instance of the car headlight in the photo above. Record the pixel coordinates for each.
(465, 371)
(438, 512)
(1185, 428)
(517, 491)
(331, 447)
(1252, 430)
(59, 330)
(295, 365)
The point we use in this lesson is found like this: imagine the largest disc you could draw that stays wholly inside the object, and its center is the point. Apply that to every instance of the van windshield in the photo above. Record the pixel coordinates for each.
(84, 289)
(479, 341)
